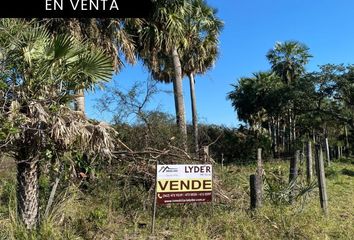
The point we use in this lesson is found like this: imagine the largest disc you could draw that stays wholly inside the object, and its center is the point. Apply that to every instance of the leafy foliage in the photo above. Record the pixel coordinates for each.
(40, 74)
(289, 104)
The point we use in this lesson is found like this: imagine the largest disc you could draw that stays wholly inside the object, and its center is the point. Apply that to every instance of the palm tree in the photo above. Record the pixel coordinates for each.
(288, 61)
(259, 101)
(161, 40)
(40, 72)
(107, 33)
(203, 29)
(247, 100)
(198, 30)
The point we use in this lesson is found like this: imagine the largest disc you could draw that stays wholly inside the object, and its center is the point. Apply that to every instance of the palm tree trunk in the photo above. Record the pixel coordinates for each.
(276, 131)
(284, 136)
(27, 189)
(194, 111)
(294, 128)
(346, 137)
(290, 131)
(80, 101)
(274, 137)
(178, 94)
(271, 133)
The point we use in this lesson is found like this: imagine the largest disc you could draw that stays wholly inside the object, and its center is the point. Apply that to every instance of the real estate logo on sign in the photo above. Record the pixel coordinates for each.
(184, 183)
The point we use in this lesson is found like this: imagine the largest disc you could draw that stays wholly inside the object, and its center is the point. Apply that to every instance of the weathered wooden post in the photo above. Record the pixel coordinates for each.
(253, 191)
(327, 152)
(321, 179)
(309, 162)
(260, 175)
(293, 174)
(255, 186)
(256, 183)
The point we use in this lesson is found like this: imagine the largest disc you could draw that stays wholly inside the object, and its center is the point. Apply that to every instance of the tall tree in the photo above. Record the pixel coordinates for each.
(261, 101)
(253, 99)
(197, 50)
(203, 29)
(288, 60)
(39, 74)
(162, 38)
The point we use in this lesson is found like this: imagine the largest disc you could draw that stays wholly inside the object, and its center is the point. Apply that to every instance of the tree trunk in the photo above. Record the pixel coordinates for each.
(27, 190)
(346, 136)
(294, 128)
(309, 162)
(338, 152)
(271, 134)
(178, 94)
(327, 151)
(80, 101)
(277, 138)
(347, 150)
(283, 138)
(194, 112)
(290, 135)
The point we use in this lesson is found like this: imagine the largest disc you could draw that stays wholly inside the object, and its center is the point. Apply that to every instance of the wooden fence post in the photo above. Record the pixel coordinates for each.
(260, 175)
(321, 179)
(256, 183)
(293, 174)
(255, 186)
(309, 163)
(253, 191)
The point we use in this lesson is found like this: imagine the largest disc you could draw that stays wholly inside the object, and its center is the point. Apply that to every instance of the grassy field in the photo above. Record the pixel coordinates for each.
(109, 209)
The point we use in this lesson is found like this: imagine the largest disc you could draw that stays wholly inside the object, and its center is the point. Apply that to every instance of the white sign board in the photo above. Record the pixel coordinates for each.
(184, 183)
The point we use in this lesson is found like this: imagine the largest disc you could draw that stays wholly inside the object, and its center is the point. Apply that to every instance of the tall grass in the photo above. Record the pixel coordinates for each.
(111, 208)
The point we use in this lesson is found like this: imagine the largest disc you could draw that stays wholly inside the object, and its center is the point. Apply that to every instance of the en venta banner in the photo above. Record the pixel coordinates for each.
(184, 183)
(76, 8)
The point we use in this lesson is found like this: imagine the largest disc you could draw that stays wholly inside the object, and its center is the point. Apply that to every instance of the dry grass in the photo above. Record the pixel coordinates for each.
(111, 210)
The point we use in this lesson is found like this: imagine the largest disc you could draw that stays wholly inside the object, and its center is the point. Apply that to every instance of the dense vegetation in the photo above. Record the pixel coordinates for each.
(112, 208)
(291, 105)
(64, 176)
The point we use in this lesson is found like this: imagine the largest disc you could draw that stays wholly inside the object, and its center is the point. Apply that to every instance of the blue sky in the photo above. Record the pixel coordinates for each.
(251, 28)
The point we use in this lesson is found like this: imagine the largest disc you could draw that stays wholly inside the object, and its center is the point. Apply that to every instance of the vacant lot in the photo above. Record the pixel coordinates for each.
(107, 208)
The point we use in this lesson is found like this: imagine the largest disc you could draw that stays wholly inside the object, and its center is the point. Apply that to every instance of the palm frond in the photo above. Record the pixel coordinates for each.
(96, 66)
